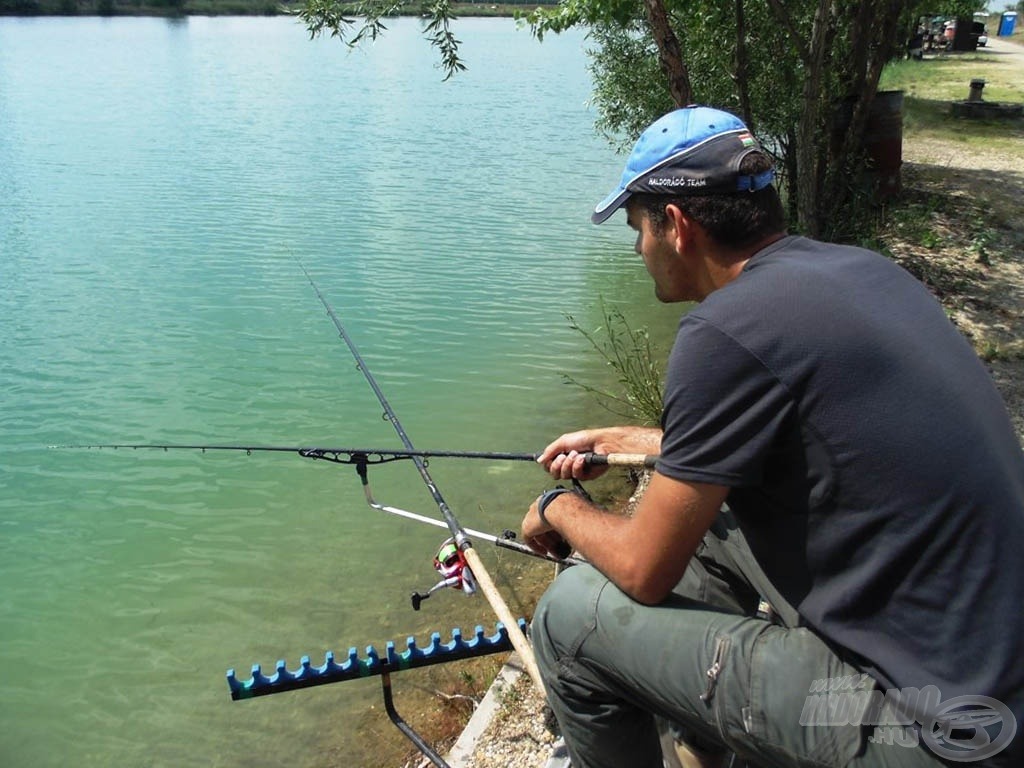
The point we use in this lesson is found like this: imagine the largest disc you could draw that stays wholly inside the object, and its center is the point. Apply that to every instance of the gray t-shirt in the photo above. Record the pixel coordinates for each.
(872, 464)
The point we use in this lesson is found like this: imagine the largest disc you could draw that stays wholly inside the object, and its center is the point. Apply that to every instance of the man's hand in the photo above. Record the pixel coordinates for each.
(565, 457)
(645, 554)
(541, 537)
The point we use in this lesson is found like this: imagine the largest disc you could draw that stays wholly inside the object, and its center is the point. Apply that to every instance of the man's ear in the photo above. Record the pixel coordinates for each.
(679, 228)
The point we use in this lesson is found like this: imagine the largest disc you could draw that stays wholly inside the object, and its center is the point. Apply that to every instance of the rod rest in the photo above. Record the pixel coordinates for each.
(355, 668)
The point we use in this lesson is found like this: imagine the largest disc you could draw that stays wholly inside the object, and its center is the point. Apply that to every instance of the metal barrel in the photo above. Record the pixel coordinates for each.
(883, 141)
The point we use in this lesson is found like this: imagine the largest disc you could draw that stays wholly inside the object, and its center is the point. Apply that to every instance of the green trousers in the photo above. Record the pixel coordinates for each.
(702, 661)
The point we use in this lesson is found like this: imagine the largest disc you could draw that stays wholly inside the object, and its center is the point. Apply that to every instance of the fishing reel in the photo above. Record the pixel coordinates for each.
(455, 572)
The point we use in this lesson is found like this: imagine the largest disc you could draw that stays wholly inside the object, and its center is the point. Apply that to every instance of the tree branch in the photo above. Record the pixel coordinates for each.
(799, 43)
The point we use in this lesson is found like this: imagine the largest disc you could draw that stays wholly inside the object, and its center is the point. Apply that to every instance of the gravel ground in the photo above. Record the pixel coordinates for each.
(518, 735)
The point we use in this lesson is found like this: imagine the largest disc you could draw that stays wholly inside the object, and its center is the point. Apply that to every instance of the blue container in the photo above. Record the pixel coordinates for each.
(1006, 23)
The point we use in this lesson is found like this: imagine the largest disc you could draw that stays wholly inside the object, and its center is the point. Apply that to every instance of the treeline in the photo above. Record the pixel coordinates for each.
(221, 7)
(142, 7)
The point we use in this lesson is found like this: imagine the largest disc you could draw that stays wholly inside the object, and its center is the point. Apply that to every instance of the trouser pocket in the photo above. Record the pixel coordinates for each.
(806, 704)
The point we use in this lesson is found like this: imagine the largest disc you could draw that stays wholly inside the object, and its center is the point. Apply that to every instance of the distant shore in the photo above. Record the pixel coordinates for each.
(185, 8)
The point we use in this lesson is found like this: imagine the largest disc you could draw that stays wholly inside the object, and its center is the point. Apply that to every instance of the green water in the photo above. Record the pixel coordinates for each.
(159, 183)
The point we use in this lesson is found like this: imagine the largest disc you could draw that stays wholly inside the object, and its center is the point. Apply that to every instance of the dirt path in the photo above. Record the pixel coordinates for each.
(920, 149)
(973, 255)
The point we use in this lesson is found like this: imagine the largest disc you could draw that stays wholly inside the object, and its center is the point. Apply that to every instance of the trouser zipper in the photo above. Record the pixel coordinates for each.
(714, 670)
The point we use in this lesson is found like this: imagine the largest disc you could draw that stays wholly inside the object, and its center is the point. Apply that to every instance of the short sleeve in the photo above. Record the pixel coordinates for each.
(723, 409)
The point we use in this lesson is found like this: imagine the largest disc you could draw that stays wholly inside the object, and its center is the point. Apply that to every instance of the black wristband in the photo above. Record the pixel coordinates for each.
(546, 498)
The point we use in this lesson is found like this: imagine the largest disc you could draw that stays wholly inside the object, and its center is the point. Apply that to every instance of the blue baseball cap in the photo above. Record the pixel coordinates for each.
(690, 151)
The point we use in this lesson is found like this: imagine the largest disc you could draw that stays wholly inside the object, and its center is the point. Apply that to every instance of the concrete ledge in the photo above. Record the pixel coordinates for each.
(466, 745)
(987, 109)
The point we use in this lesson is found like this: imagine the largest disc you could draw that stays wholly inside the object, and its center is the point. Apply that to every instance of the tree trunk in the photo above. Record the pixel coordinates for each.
(670, 54)
(838, 94)
(742, 65)
(812, 134)
(877, 39)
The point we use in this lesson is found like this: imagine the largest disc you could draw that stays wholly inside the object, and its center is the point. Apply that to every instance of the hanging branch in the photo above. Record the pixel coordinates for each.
(357, 22)
(438, 32)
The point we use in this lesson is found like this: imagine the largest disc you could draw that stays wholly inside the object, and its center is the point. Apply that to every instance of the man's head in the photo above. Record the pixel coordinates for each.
(707, 163)
(698, 192)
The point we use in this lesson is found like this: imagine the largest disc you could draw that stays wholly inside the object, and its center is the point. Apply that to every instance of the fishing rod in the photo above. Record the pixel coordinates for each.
(358, 456)
(465, 570)
(363, 457)
(459, 537)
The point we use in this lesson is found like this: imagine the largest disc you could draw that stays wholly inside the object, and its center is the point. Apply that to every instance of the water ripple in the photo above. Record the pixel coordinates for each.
(149, 238)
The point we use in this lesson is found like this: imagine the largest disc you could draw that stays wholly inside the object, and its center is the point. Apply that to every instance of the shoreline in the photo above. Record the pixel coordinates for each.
(45, 9)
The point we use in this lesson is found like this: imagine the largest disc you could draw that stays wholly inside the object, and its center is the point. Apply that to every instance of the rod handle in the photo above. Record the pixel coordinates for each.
(620, 460)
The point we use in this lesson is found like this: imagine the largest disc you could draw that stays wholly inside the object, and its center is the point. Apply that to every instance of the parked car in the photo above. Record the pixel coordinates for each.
(978, 30)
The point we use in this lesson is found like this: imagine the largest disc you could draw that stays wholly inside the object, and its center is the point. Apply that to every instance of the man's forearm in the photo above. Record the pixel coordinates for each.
(601, 537)
(644, 554)
(645, 440)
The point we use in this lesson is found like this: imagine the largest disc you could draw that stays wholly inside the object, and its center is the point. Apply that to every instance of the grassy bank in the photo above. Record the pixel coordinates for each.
(931, 85)
(971, 168)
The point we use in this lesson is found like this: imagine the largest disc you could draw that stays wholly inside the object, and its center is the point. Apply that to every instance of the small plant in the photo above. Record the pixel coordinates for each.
(982, 236)
(929, 238)
(511, 698)
(990, 351)
(917, 220)
(628, 351)
(979, 246)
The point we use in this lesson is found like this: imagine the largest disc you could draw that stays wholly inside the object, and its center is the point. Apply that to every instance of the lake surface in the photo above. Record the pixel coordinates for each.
(160, 182)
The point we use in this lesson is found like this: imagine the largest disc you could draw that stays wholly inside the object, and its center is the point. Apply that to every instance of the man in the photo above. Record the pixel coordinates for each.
(873, 493)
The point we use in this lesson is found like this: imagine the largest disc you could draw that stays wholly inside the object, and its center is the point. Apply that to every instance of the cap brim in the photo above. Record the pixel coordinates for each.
(610, 205)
